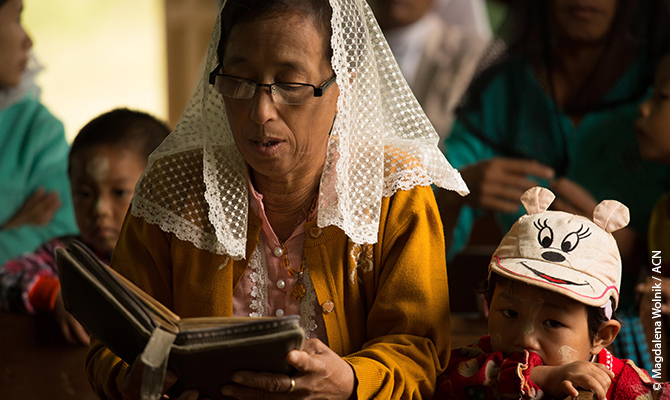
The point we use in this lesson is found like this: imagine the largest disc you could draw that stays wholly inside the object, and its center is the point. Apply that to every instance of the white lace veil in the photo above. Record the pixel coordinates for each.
(196, 187)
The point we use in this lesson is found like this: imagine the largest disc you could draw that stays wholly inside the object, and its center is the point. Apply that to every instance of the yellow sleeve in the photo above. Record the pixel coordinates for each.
(105, 370)
(407, 329)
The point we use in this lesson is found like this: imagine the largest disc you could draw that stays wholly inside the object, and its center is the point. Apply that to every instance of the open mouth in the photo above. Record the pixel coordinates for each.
(267, 147)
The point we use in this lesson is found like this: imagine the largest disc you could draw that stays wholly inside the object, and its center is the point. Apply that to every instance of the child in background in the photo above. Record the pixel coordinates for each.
(106, 159)
(653, 136)
(553, 287)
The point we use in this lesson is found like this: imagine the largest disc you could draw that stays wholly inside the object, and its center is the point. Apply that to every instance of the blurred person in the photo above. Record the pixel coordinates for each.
(653, 134)
(106, 159)
(471, 16)
(436, 57)
(34, 189)
(553, 103)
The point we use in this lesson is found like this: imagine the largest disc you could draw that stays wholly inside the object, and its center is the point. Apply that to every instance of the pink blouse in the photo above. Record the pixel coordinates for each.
(275, 288)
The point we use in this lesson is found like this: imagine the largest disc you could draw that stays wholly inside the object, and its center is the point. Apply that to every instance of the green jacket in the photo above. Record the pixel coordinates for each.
(33, 154)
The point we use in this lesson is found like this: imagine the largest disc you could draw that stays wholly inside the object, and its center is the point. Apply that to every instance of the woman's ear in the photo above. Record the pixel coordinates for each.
(606, 333)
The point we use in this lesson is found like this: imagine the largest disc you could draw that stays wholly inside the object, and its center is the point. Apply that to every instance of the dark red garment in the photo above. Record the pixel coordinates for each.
(477, 372)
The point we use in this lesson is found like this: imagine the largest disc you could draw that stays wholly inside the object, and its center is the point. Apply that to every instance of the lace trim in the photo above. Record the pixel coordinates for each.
(259, 276)
(307, 308)
(259, 293)
(406, 180)
(182, 228)
(189, 231)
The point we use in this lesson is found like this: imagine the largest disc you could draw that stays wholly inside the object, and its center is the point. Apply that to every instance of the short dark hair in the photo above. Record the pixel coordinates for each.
(595, 315)
(236, 11)
(121, 127)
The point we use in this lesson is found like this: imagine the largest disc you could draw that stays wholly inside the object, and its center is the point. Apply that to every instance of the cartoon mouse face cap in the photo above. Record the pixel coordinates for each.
(562, 252)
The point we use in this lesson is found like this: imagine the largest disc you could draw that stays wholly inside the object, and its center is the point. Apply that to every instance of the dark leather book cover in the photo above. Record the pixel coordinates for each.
(205, 351)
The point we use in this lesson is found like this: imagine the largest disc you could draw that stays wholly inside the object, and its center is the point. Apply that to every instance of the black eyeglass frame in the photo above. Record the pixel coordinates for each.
(318, 90)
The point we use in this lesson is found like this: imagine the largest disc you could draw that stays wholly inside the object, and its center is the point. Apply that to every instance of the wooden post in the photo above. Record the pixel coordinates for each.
(189, 26)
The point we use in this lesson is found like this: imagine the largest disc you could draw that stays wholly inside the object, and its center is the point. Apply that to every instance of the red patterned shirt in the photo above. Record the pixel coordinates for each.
(477, 372)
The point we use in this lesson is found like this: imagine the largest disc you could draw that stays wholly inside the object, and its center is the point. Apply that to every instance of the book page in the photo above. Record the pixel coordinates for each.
(164, 316)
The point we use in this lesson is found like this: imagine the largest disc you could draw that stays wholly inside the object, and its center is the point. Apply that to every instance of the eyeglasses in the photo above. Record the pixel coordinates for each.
(282, 92)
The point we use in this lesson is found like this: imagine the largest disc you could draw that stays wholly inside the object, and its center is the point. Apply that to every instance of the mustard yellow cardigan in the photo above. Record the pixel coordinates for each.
(389, 320)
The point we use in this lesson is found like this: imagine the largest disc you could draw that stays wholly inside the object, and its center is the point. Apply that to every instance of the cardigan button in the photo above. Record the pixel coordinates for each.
(327, 307)
(278, 252)
(315, 232)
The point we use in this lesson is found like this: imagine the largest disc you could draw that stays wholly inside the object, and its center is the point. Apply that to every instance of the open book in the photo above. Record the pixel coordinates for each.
(203, 352)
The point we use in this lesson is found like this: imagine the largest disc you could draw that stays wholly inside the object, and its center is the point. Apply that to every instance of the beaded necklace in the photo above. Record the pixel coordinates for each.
(298, 291)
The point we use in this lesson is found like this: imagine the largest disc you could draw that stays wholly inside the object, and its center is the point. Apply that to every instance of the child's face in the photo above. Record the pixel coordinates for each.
(103, 181)
(524, 317)
(14, 44)
(653, 125)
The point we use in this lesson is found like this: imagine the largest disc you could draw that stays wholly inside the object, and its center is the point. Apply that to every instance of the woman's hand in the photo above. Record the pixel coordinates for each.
(39, 209)
(498, 183)
(561, 381)
(572, 198)
(72, 330)
(321, 373)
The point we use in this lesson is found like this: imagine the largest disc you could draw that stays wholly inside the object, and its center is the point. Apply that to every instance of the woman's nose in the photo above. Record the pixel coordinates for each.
(263, 106)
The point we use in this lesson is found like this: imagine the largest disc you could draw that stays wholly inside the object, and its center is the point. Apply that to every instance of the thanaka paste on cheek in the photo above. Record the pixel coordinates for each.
(567, 354)
(496, 340)
(98, 168)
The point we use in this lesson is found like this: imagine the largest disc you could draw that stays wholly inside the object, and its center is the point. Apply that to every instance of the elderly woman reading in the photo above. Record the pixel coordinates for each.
(298, 183)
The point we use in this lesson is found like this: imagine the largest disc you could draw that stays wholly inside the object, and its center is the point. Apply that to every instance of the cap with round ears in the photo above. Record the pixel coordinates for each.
(565, 253)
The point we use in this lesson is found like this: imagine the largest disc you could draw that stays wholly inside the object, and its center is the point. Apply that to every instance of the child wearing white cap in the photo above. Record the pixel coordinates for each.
(552, 290)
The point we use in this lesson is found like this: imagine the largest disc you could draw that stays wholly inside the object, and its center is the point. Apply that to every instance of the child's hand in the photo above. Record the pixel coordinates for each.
(72, 331)
(563, 380)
